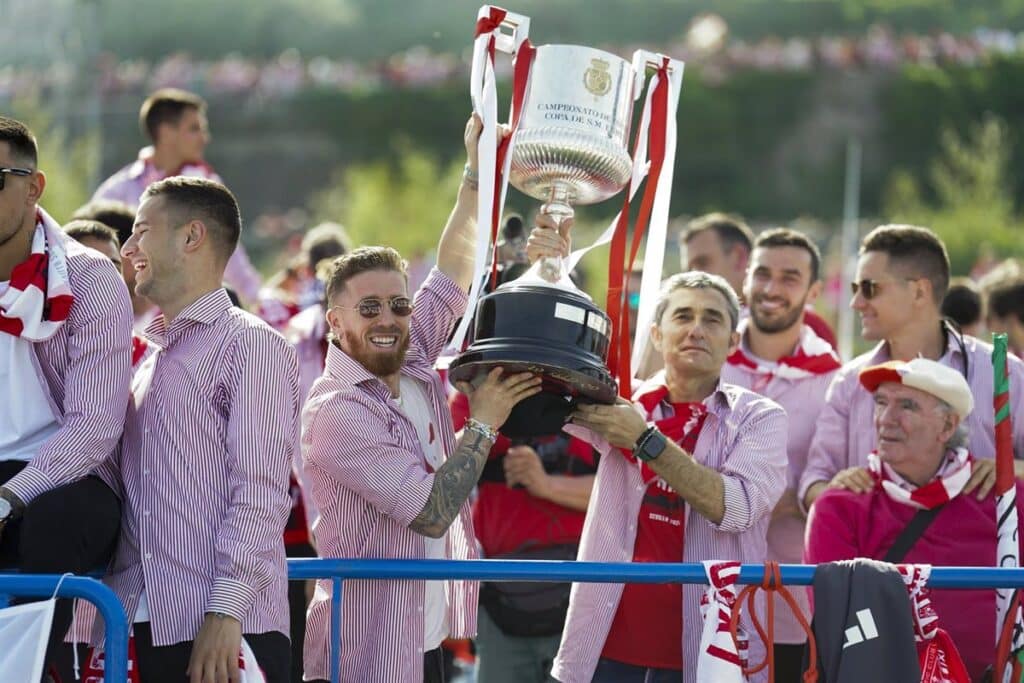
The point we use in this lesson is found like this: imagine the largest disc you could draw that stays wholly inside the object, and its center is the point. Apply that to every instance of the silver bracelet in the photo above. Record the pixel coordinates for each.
(480, 429)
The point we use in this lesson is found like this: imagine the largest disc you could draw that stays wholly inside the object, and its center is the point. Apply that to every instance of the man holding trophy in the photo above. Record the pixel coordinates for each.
(692, 467)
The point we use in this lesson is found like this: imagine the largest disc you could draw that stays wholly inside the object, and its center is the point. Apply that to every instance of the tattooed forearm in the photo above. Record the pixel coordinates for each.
(453, 482)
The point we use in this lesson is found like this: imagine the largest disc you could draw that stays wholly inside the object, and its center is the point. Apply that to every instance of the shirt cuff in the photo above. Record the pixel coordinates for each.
(230, 597)
(29, 483)
(736, 517)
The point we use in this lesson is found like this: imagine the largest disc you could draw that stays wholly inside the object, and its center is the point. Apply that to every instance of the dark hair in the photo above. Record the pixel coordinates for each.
(80, 229)
(325, 241)
(167, 106)
(731, 230)
(916, 249)
(513, 227)
(190, 199)
(962, 302)
(698, 279)
(1004, 289)
(784, 237)
(362, 260)
(117, 215)
(20, 139)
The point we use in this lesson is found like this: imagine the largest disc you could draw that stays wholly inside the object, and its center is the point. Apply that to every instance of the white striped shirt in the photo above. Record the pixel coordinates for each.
(207, 449)
(744, 440)
(85, 369)
(370, 480)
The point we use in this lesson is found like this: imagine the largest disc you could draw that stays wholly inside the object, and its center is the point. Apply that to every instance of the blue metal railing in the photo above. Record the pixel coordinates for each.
(585, 572)
(338, 571)
(114, 620)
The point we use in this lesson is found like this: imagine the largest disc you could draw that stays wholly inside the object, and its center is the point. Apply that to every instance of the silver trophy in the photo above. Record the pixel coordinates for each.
(569, 148)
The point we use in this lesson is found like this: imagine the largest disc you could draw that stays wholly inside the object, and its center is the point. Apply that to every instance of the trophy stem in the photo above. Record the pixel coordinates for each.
(553, 268)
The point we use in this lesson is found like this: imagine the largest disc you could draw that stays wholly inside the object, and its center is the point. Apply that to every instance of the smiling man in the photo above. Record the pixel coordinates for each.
(782, 358)
(388, 474)
(690, 471)
(921, 463)
(902, 277)
(208, 445)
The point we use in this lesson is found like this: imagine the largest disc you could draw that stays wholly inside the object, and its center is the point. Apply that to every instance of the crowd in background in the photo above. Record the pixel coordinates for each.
(421, 67)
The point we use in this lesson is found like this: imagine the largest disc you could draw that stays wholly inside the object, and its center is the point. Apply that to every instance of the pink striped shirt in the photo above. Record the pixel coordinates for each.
(84, 367)
(207, 449)
(845, 433)
(802, 400)
(370, 480)
(744, 440)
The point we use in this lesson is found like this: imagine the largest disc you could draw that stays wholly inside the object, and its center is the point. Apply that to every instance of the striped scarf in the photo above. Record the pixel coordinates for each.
(936, 653)
(39, 298)
(813, 356)
(947, 484)
(720, 659)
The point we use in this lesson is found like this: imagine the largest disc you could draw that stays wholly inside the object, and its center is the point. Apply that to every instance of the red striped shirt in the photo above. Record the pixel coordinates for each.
(84, 368)
(208, 443)
(370, 480)
(744, 440)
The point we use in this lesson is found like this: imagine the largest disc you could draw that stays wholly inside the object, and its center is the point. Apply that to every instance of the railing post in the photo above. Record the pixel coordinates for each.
(335, 648)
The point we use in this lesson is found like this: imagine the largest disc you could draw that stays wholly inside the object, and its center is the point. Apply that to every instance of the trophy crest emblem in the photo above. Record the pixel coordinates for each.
(597, 78)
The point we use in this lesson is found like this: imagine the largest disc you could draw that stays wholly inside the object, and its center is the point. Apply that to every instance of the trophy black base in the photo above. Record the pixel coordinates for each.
(556, 334)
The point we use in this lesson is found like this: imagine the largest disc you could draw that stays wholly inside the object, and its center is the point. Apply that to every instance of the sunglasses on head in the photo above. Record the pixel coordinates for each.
(869, 289)
(24, 172)
(371, 308)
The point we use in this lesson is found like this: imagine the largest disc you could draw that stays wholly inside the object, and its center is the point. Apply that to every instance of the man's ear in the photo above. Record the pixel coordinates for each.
(195, 235)
(734, 342)
(656, 337)
(813, 292)
(36, 187)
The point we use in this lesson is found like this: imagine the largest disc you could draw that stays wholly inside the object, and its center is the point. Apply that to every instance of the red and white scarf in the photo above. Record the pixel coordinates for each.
(937, 654)
(682, 427)
(38, 299)
(947, 484)
(813, 356)
(720, 659)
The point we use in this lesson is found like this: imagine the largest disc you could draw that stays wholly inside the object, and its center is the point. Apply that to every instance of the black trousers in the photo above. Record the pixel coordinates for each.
(789, 663)
(433, 667)
(168, 664)
(72, 528)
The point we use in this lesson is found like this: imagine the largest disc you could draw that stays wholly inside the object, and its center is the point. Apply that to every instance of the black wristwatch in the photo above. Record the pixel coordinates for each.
(650, 445)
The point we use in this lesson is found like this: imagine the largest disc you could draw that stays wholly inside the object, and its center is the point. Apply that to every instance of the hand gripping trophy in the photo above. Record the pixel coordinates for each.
(571, 113)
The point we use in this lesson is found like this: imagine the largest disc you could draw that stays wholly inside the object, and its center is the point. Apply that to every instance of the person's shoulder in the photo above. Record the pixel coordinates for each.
(744, 401)
(252, 333)
(90, 273)
(337, 407)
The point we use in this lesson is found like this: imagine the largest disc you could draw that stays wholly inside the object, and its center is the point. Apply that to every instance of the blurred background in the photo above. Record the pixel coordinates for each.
(807, 113)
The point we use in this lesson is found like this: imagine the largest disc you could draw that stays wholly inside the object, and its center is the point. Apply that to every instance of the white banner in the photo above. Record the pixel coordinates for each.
(24, 632)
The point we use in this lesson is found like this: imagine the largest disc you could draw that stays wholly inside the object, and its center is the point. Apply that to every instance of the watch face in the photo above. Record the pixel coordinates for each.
(5, 509)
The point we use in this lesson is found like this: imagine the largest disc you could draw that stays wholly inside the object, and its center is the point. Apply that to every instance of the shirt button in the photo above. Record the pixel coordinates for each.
(639, 488)
(131, 596)
(145, 471)
(149, 556)
(420, 650)
(145, 513)
(419, 609)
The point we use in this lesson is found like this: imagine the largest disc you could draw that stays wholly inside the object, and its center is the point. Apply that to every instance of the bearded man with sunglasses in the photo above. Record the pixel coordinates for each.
(65, 345)
(902, 277)
(389, 476)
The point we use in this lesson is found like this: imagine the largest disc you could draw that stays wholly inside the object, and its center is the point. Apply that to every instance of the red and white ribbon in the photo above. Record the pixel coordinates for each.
(494, 158)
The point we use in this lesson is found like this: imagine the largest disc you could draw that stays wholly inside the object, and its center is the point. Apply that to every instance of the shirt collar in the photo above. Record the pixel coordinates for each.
(205, 310)
(880, 353)
(724, 396)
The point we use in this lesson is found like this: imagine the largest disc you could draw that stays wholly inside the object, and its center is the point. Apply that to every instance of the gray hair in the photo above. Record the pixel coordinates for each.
(696, 279)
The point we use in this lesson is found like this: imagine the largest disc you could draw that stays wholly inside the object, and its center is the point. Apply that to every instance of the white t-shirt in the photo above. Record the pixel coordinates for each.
(26, 419)
(414, 403)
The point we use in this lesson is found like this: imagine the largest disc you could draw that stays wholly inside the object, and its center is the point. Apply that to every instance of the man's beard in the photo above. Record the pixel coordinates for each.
(378, 363)
(778, 324)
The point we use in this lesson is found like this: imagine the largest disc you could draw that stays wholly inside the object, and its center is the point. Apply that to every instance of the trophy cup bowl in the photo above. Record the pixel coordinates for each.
(569, 149)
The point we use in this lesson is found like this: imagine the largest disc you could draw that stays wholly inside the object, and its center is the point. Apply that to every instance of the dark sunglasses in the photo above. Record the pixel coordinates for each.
(371, 308)
(869, 289)
(24, 172)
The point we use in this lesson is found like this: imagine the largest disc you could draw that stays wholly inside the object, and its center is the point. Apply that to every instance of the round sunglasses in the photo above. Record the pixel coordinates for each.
(370, 308)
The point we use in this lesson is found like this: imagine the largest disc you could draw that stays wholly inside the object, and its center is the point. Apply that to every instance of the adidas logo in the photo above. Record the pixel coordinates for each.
(865, 631)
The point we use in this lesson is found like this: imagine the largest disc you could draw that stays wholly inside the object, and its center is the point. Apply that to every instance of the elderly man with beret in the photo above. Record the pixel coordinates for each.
(921, 463)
